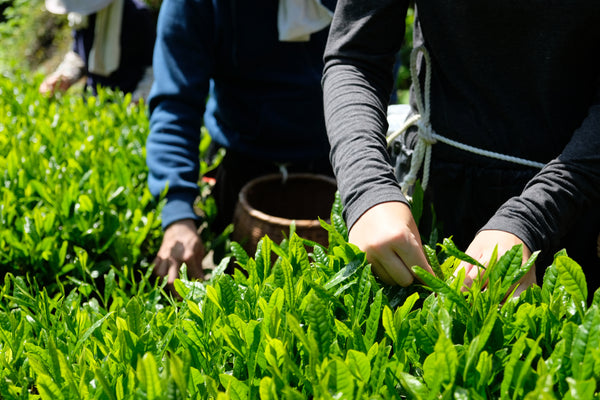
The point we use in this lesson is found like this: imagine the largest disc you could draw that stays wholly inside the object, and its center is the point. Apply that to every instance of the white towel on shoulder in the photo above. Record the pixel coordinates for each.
(298, 19)
(105, 54)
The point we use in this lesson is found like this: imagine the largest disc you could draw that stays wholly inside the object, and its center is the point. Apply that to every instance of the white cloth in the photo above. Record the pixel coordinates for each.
(77, 21)
(396, 116)
(83, 7)
(298, 19)
(105, 54)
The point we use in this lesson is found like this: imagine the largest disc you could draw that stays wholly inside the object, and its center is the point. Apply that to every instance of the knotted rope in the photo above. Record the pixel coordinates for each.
(426, 136)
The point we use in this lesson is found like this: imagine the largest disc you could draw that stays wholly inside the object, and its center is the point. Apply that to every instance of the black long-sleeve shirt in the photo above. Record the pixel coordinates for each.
(516, 77)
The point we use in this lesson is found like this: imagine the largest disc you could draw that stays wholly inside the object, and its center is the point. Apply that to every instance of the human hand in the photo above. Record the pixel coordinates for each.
(181, 244)
(54, 83)
(388, 234)
(481, 249)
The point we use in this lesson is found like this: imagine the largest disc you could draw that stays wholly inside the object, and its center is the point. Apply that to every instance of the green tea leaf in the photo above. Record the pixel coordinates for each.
(263, 257)
(239, 253)
(90, 331)
(572, 278)
(147, 373)
(581, 389)
(449, 247)
(298, 255)
(268, 389)
(319, 322)
(433, 262)
(335, 237)
(587, 339)
(343, 274)
(373, 319)
(387, 319)
(511, 367)
(47, 388)
(363, 295)
(359, 365)
(344, 381)
(415, 388)
(236, 389)
(337, 218)
(526, 374)
(228, 294)
(381, 359)
(477, 345)
(106, 386)
(288, 286)
(343, 330)
(442, 288)
(440, 367)
(550, 283)
(416, 202)
(506, 266)
(179, 372)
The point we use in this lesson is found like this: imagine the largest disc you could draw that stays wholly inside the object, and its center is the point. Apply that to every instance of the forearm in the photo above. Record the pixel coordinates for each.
(357, 83)
(182, 70)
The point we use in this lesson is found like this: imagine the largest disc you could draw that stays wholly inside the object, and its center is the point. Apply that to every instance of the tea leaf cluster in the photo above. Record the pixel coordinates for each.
(81, 317)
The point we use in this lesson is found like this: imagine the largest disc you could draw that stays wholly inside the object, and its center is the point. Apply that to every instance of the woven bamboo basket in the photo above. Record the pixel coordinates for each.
(268, 205)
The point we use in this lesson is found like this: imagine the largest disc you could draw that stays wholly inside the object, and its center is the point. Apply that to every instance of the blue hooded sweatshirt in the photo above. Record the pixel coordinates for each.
(220, 63)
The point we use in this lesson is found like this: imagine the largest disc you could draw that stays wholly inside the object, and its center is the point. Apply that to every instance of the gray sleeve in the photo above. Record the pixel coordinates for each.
(559, 193)
(357, 82)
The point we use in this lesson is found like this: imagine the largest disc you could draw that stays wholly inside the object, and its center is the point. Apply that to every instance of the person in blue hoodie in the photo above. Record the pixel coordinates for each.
(252, 76)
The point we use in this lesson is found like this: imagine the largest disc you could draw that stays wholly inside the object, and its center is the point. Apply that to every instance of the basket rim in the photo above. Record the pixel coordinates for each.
(280, 221)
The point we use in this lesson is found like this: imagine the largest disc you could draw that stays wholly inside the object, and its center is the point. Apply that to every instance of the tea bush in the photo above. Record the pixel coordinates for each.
(74, 199)
(81, 318)
(306, 325)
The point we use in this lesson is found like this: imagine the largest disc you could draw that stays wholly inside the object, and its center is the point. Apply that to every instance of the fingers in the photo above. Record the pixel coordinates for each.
(407, 251)
(172, 273)
(390, 260)
(387, 262)
(54, 83)
(161, 267)
(195, 269)
(167, 267)
(399, 271)
(381, 272)
(389, 236)
(47, 88)
(472, 272)
(529, 279)
(181, 244)
(395, 266)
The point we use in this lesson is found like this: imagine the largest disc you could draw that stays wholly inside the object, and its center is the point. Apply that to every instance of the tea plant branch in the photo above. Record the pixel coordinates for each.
(421, 155)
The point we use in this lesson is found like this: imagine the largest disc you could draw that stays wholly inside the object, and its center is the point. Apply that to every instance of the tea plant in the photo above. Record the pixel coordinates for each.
(81, 317)
(74, 198)
(296, 324)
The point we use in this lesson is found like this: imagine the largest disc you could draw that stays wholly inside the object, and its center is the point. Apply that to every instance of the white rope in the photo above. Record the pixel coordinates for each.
(421, 155)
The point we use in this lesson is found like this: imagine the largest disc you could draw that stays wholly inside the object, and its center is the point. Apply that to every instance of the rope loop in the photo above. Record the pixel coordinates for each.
(425, 132)
(426, 135)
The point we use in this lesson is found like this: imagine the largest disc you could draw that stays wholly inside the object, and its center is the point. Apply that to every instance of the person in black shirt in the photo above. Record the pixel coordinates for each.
(506, 77)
